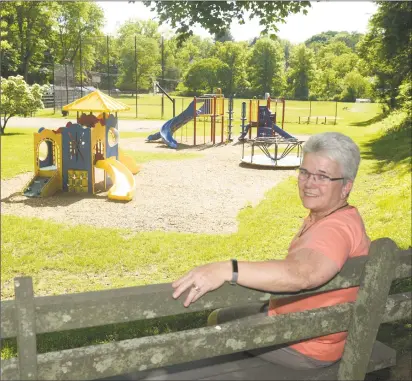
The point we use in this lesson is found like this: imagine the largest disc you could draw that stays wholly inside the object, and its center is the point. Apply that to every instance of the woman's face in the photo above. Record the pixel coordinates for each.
(322, 196)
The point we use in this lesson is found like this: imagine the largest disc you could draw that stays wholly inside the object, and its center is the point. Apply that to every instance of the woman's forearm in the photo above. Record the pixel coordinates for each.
(272, 276)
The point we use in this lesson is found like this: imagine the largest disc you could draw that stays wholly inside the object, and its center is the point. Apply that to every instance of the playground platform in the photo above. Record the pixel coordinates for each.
(277, 151)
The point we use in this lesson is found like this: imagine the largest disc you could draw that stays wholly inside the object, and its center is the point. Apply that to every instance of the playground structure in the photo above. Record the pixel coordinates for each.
(212, 110)
(66, 159)
(287, 149)
(255, 119)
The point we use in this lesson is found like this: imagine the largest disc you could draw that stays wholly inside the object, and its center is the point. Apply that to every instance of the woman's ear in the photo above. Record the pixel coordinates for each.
(346, 189)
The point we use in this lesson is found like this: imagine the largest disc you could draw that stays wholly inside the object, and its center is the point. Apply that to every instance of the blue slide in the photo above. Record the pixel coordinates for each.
(172, 125)
(243, 134)
(281, 132)
(265, 120)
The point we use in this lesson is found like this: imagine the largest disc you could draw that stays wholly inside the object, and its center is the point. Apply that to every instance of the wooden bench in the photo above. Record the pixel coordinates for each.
(212, 353)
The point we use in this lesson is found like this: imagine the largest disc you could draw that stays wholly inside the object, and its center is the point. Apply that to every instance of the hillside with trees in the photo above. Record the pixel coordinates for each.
(333, 65)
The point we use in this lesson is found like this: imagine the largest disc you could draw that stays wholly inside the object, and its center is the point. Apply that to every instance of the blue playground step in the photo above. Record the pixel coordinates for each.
(36, 186)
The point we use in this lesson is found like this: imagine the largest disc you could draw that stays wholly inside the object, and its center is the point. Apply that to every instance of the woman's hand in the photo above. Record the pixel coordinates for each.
(201, 280)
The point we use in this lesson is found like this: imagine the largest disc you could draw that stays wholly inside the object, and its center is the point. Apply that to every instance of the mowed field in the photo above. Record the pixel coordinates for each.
(150, 107)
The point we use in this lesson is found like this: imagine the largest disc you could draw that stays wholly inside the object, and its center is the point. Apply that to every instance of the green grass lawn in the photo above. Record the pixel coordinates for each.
(149, 107)
(17, 152)
(64, 259)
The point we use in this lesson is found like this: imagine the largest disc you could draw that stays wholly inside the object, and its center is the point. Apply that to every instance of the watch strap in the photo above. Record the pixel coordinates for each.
(235, 272)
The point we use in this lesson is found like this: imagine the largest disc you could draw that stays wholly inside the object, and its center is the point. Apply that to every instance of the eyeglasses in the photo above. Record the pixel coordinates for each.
(318, 177)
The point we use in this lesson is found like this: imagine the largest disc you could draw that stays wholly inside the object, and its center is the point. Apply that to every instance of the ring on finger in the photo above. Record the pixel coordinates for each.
(197, 288)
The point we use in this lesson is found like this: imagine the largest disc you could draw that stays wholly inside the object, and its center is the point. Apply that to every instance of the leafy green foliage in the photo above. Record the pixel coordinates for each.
(35, 34)
(178, 58)
(319, 40)
(25, 28)
(205, 74)
(144, 36)
(18, 98)
(301, 72)
(386, 49)
(266, 67)
(234, 55)
(215, 16)
(326, 68)
(355, 86)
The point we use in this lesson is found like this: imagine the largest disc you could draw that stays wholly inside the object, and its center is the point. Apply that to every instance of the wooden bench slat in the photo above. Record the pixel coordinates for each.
(197, 369)
(79, 356)
(242, 367)
(90, 309)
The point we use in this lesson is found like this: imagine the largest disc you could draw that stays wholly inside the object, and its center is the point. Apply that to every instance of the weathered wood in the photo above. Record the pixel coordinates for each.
(26, 328)
(238, 366)
(157, 351)
(368, 309)
(277, 372)
(89, 309)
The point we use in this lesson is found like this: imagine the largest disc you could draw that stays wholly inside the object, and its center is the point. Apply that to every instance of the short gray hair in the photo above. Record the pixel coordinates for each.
(338, 147)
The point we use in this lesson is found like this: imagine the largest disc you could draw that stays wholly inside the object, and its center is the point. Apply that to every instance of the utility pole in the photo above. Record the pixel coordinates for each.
(108, 64)
(163, 76)
(135, 66)
(81, 67)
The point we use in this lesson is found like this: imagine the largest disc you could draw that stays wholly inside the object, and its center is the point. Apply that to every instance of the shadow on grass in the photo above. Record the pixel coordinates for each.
(267, 167)
(56, 341)
(367, 123)
(58, 199)
(15, 134)
(391, 148)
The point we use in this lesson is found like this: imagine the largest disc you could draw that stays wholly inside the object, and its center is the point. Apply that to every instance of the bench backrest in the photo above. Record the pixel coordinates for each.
(27, 316)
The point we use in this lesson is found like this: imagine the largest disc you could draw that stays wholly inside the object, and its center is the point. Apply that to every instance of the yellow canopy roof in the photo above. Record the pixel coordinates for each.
(96, 101)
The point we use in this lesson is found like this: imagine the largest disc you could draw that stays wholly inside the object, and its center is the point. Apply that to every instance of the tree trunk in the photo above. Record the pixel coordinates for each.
(3, 124)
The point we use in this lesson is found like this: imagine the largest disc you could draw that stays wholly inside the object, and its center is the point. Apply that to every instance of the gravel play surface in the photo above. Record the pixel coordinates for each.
(197, 195)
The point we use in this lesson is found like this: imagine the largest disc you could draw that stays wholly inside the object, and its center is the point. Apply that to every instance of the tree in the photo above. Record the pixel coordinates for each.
(177, 59)
(224, 36)
(320, 38)
(29, 27)
(78, 23)
(334, 60)
(386, 49)
(301, 72)
(39, 33)
(266, 67)
(234, 55)
(350, 39)
(148, 54)
(8, 55)
(287, 47)
(215, 16)
(325, 85)
(207, 74)
(18, 98)
(355, 86)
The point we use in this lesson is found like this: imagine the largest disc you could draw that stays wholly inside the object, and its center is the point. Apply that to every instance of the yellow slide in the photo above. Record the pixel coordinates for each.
(128, 162)
(124, 184)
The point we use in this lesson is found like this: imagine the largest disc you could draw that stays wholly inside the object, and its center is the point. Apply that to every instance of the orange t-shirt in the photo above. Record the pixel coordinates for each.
(339, 236)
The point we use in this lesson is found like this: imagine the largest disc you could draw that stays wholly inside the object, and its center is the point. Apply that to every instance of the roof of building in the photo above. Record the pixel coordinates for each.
(96, 101)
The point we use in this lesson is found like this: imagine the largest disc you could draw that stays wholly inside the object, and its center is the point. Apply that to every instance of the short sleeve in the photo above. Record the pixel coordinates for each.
(332, 238)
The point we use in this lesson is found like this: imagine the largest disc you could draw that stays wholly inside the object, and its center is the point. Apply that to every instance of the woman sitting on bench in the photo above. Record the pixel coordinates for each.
(332, 233)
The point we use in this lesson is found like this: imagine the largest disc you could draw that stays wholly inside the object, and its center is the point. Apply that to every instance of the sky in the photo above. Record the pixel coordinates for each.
(349, 16)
